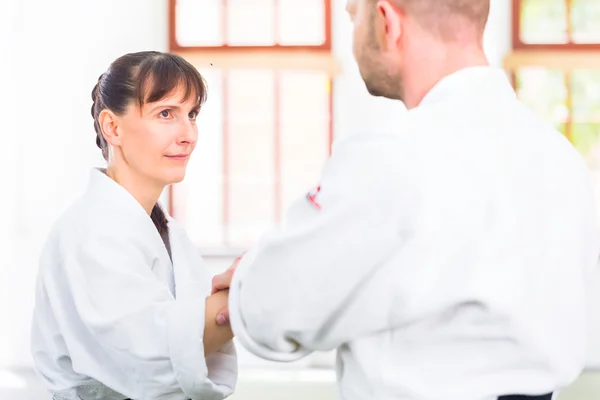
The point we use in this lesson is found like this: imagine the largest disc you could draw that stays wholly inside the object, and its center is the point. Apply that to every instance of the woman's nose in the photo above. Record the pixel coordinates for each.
(188, 133)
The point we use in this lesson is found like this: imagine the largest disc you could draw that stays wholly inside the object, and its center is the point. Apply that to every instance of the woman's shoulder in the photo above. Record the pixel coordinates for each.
(88, 220)
(76, 218)
(73, 228)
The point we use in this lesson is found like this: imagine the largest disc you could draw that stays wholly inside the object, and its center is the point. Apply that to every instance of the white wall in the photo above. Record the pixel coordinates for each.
(497, 40)
(47, 132)
(9, 141)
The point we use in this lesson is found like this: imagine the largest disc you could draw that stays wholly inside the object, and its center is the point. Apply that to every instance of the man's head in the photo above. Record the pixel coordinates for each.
(395, 38)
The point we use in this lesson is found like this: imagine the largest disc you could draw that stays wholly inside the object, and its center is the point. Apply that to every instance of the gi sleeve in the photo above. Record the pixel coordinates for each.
(302, 288)
(144, 343)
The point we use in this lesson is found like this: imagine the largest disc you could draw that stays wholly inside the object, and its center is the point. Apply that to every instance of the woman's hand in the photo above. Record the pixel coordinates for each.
(222, 282)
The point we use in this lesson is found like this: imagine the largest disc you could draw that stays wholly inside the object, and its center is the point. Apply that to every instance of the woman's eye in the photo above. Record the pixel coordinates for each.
(165, 114)
(193, 114)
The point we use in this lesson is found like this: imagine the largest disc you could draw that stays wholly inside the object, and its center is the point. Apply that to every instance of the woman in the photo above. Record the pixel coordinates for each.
(123, 304)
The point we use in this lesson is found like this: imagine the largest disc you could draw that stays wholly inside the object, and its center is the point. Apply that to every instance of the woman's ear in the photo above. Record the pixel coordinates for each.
(109, 124)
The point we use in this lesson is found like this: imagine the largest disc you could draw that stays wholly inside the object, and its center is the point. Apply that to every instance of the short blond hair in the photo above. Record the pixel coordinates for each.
(448, 17)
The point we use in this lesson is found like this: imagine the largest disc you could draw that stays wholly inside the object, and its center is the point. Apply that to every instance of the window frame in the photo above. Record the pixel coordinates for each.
(176, 47)
(565, 57)
(276, 58)
(518, 44)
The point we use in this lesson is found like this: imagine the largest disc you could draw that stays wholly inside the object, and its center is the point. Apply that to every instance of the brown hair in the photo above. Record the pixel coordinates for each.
(143, 77)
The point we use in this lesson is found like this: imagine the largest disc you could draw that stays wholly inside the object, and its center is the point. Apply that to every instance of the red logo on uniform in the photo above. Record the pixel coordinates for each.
(312, 197)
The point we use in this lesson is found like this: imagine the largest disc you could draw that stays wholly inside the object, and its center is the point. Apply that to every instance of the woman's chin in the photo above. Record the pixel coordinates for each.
(175, 177)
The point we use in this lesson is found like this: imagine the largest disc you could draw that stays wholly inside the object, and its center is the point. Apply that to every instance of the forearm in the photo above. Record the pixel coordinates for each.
(215, 336)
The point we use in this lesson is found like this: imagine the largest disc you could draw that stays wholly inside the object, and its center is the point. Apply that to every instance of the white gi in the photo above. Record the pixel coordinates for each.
(445, 262)
(114, 318)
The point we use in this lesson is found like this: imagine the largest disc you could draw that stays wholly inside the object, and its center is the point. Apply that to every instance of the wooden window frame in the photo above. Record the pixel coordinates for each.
(567, 47)
(276, 58)
(176, 47)
(565, 57)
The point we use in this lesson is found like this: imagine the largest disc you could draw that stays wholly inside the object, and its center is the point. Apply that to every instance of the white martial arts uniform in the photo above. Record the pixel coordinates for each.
(114, 317)
(445, 262)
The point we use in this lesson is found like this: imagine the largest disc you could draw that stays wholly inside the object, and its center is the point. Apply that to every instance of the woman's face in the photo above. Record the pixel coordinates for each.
(157, 140)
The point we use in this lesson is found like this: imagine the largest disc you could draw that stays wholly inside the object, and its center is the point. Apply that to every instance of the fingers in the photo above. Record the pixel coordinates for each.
(223, 280)
(236, 262)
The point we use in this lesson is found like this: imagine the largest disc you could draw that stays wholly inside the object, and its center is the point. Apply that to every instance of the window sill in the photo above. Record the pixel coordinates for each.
(563, 60)
(289, 60)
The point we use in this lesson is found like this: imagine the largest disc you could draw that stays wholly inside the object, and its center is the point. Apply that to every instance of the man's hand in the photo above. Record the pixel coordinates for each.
(222, 282)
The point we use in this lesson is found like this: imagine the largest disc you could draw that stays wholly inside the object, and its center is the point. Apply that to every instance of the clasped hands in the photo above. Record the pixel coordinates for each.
(223, 282)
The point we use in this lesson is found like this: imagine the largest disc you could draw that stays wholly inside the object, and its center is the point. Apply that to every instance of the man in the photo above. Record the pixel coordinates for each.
(447, 261)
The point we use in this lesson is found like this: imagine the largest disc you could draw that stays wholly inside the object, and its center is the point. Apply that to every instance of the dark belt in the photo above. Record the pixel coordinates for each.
(519, 397)
(522, 397)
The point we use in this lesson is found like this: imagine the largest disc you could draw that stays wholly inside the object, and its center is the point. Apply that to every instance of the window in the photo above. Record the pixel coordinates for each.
(571, 100)
(266, 129)
(264, 24)
(556, 70)
(556, 24)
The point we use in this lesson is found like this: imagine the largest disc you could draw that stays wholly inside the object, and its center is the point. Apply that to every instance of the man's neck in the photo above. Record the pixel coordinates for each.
(426, 74)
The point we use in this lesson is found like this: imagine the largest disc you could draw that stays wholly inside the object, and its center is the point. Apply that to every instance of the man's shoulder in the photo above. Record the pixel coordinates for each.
(386, 146)
(377, 164)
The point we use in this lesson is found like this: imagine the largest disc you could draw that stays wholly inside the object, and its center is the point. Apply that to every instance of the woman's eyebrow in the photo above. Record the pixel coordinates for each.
(165, 105)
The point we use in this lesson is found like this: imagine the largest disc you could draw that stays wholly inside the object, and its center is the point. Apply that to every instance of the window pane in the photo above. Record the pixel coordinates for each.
(304, 132)
(586, 95)
(198, 22)
(585, 86)
(586, 138)
(301, 22)
(545, 92)
(250, 22)
(251, 154)
(229, 196)
(585, 21)
(198, 200)
(544, 21)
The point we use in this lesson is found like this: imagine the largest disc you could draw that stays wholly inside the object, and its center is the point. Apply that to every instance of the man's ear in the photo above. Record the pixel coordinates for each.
(110, 129)
(388, 20)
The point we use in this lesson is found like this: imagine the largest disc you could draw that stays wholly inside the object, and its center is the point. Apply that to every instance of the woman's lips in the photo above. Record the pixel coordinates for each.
(178, 157)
